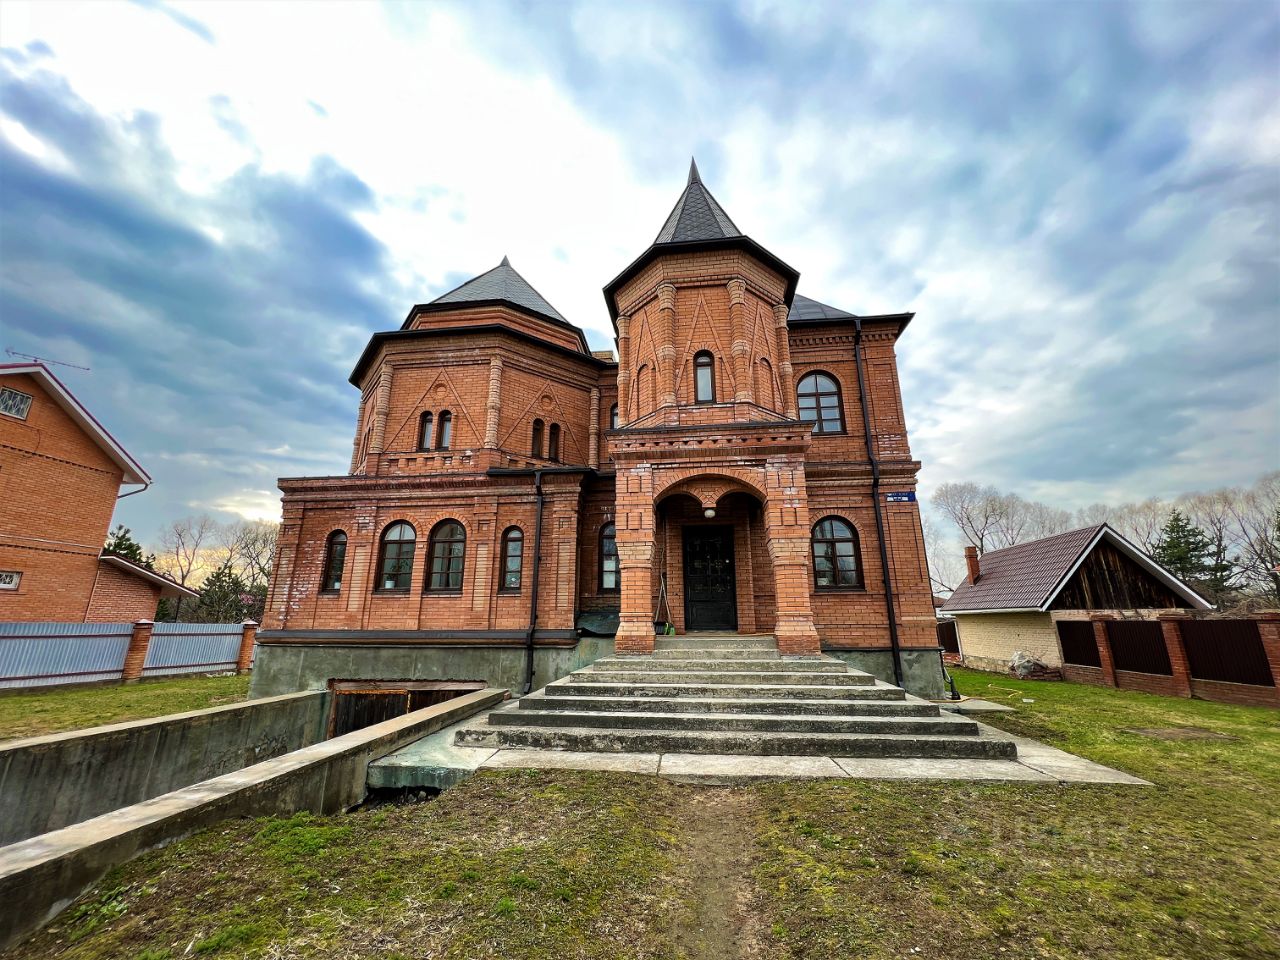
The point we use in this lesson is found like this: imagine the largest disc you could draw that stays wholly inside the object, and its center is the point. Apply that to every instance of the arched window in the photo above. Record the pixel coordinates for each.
(395, 557)
(608, 559)
(553, 443)
(613, 417)
(512, 559)
(819, 396)
(448, 546)
(424, 431)
(704, 377)
(536, 446)
(764, 384)
(335, 555)
(836, 560)
(444, 430)
(644, 391)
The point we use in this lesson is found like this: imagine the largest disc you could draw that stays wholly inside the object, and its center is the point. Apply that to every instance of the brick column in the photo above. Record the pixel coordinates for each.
(248, 634)
(593, 431)
(633, 531)
(666, 345)
(786, 378)
(1099, 621)
(787, 533)
(745, 388)
(494, 405)
(355, 444)
(381, 401)
(1171, 628)
(136, 654)
(624, 368)
(1269, 631)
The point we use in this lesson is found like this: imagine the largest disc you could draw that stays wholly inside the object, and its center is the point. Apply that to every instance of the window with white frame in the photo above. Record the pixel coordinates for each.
(14, 403)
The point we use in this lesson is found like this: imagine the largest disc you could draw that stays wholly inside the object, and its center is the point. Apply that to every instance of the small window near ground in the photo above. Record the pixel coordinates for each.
(512, 559)
(335, 557)
(608, 559)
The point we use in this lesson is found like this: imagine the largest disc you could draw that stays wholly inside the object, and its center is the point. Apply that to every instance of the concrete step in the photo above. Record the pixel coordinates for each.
(710, 653)
(483, 734)
(737, 665)
(548, 700)
(733, 722)
(698, 641)
(786, 677)
(645, 686)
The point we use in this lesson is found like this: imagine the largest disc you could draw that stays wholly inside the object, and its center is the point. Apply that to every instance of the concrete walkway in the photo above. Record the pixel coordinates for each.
(438, 762)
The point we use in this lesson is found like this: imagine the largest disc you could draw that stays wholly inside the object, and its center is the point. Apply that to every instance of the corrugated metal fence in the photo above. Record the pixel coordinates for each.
(192, 648)
(44, 654)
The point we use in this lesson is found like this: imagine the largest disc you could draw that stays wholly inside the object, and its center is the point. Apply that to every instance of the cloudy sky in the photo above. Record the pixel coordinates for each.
(213, 207)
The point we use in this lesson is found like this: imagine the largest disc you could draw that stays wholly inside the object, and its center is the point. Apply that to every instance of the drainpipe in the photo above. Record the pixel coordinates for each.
(875, 502)
(533, 588)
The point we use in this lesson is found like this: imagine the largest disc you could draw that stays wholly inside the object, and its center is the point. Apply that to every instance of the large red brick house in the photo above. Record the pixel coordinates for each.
(742, 466)
(61, 473)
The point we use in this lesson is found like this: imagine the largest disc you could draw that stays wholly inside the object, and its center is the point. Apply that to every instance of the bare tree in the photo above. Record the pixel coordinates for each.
(975, 510)
(1256, 516)
(184, 546)
(249, 547)
(946, 564)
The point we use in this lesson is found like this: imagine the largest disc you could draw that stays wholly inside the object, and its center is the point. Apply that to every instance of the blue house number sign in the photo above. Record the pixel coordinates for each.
(908, 496)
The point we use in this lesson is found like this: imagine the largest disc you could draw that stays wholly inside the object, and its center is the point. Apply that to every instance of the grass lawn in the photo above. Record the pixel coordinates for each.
(31, 713)
(566, 865)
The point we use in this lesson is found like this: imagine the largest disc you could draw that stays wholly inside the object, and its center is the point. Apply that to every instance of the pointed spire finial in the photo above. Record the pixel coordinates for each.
(693, 171)
(505, 262)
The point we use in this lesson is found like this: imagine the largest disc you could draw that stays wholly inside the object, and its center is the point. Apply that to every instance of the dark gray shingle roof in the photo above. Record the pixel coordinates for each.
(1021, 577)
(697, 215)
(803, 308)
(502, 283)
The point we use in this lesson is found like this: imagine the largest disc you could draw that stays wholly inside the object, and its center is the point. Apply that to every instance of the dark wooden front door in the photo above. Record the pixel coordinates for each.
(710, 600)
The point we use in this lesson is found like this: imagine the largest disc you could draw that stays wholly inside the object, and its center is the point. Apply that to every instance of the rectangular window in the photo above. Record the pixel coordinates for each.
(14, 403)
(10, 579)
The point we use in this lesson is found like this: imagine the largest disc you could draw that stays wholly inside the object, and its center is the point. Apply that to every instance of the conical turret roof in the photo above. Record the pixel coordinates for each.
(697, 215)
(502, 283)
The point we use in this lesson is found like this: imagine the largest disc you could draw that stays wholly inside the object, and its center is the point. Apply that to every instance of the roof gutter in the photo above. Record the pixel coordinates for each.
(894, 644)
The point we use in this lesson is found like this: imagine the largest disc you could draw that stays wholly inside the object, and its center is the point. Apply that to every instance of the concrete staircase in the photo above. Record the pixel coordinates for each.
(730, 694)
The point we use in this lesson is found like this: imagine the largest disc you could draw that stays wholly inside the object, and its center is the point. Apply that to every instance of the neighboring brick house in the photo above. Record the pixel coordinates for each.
(505, 480)
(1013, 599)
(60, 475)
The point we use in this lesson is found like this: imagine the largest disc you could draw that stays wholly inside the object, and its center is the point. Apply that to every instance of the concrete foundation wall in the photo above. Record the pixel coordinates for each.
(285, 668)
(921, 668)
(50, 782)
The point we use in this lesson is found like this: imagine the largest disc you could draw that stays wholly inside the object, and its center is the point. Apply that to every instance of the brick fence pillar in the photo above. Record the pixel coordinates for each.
(136, 654)
(248, 634)
(1171, 628)
(1100, 621)
(1269, 631)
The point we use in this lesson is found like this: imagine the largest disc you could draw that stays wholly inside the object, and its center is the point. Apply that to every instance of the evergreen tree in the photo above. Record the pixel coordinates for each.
(120, 542)
(225, 598)
(1185, 551)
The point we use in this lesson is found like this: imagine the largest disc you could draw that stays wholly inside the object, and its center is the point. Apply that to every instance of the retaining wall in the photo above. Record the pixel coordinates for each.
(41, 876)
(52, 781)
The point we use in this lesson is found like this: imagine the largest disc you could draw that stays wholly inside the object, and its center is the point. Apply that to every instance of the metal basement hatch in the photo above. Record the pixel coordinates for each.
(361, 703)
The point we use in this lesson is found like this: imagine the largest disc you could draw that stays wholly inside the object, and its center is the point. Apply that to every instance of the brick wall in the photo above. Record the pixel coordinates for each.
(120, 596)
(989, 641)
(59, 490)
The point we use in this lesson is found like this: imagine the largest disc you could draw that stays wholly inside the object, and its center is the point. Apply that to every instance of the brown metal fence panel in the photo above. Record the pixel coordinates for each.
(1227, 650)
(1138, 645)
(1079, 647)
(948, 639)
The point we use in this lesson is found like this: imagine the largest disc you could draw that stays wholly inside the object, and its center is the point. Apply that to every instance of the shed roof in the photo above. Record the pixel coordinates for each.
(1028, 576)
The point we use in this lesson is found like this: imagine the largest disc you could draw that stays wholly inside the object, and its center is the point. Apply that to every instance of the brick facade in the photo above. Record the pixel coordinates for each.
(500, 368)
(118, 596)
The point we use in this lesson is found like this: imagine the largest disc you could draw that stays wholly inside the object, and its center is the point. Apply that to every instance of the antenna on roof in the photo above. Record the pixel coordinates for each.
(26, 356)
